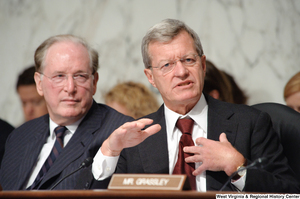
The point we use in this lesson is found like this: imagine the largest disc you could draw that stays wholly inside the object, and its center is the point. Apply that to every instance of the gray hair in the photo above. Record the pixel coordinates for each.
(165, 31)
(41, 51)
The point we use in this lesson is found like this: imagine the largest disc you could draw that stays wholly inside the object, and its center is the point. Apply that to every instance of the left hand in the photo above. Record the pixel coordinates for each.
(214, 155)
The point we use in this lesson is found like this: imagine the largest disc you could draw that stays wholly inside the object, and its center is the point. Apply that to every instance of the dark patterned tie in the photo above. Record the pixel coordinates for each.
(57, 148)
(181, 167)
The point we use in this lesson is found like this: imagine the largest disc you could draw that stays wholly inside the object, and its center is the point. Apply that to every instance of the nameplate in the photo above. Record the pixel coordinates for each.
(147, 182)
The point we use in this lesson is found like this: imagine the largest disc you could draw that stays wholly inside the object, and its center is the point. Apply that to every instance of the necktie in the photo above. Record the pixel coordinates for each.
(56, 150)
(181, 167)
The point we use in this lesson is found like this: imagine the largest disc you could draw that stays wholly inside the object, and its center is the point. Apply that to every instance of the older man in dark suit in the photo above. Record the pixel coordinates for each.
(220, 137)
(42, 151)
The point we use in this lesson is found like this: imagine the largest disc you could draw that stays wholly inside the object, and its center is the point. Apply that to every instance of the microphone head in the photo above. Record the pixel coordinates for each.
(87, 162)
(261, 162)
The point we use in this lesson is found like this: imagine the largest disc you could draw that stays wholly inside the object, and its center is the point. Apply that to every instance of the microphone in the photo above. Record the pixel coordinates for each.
(258, 163)
(87, 162)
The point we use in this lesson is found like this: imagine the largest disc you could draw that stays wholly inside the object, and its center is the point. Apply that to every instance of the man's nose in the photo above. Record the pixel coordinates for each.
(179, 68)
(70, 84)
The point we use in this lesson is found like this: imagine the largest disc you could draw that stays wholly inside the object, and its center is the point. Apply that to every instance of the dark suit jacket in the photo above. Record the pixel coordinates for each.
(286, 123)
(5, 130)
(247, 129)
(25, 143)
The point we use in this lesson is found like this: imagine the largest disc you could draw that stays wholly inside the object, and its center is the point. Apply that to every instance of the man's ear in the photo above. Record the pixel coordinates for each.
(203, 63)
(38, 82)
(95, 80)
(148, 73)
(215, 94)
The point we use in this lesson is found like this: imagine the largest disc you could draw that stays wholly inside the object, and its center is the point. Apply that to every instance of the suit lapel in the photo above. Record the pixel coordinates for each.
(154, 150)
(219, 121)
(76, 147)
(33, 149)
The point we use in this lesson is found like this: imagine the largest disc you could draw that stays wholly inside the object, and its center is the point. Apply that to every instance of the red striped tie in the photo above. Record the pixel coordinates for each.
(181, 167)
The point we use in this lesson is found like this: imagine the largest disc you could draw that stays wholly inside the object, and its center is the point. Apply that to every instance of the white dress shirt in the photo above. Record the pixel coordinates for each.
(104, 166)
(199, 115)
(46, 150)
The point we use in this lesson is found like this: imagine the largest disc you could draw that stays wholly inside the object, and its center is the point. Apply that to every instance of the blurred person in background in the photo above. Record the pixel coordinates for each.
(216, 83)
(132, 99)
(222, 86)
(239, 96)
(292, 92)
(33, 104)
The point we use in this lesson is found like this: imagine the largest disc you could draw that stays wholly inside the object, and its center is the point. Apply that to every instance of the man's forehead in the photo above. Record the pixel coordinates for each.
(68, 46)
(66, 51)
(181, 39)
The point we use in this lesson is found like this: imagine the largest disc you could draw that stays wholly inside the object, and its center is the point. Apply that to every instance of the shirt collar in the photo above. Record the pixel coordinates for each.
(72, 127)
(198, 114)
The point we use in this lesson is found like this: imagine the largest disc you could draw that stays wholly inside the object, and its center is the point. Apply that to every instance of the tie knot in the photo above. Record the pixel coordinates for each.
(59, 131)
(185, 125)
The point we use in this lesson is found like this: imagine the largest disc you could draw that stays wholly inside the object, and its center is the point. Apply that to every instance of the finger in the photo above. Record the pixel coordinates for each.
(192, 149)
(129, 125)
(153, 129)
(193, 159)
(200, 141)
(145, 121)
(139, 124)
(199, 170)
(223, 138)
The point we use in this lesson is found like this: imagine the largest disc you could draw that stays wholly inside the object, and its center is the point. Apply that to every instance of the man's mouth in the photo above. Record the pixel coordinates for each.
(185, 83)
(70, 100)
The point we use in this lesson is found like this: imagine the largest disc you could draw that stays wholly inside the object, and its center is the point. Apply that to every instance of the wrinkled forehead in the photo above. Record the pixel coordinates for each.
(177, 47)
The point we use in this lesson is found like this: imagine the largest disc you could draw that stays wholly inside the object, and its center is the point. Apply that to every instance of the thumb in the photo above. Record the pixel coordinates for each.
(223, 138)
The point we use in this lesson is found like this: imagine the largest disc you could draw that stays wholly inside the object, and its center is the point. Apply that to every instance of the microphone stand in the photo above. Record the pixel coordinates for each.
(87, 162)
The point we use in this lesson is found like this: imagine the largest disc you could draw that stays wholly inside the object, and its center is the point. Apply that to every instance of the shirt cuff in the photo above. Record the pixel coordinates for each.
(240, 183)
(103, 166)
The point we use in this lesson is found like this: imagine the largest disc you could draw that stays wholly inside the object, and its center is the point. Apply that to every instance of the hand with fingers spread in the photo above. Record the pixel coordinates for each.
(215, 155)
(128, 135)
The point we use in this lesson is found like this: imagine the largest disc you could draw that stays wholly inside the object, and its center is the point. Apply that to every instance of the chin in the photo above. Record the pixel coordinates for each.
(190, 97)
(72, 113)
